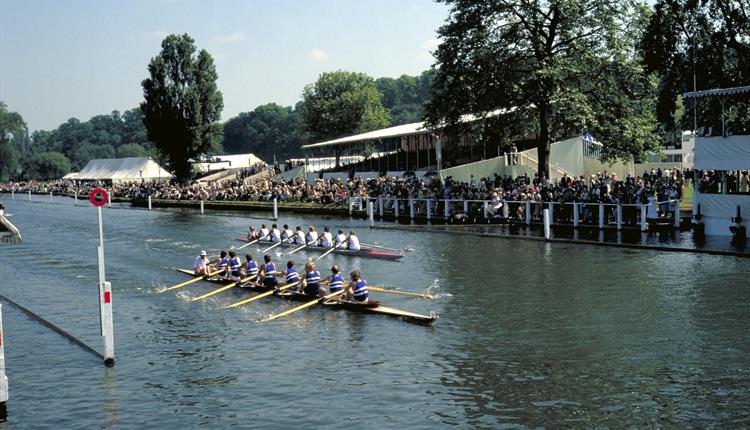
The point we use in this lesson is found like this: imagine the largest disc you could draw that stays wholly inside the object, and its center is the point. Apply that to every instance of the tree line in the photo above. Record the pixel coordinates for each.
(552, 69)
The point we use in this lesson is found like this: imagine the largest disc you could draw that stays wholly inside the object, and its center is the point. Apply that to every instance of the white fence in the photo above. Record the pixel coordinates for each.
(576, 214)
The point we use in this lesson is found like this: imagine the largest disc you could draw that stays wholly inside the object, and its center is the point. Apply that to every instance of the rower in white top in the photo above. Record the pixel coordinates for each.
(353, 241)
(264, 232)
(312, 236)
(341, 239)
(287, 235)
(275, 234)
(299, 236)
(326, 240)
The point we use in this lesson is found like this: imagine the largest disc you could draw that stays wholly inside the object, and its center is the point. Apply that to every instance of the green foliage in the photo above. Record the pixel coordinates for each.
(47, 165)
(405, 97)
(558, 68)
(710, 37)
(182, 103)
(268, 130)
(91, 151)
(132, 150)
(14, 138)
(338, 104)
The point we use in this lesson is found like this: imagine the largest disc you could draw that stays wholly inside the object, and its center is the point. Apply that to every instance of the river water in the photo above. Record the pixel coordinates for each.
(529, 335)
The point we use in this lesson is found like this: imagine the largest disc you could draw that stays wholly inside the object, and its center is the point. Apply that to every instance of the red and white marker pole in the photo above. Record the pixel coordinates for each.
(98, 198)
(3, 377)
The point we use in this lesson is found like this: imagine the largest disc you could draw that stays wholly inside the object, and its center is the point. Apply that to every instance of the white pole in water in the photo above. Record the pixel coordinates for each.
(466, 206)
(29, 195)
(411, 208)
(506, 209)
(447, 209)
(677, 213)
(528, 213)
(105, 301)
(395, 207)
(575, 214)
(619, 217)
(13, 194)
(275, 209)
(381, 207)
(601, 216)
(149, 202)
(3, 377)
(551, 213)
(546, 224)
(202, 210)
(76, 197)
(349, 201)
(644, 223)
(371, 213)
(429, 209)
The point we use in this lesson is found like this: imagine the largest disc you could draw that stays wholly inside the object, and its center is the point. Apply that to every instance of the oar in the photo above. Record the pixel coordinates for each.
(367, 245)
(224, 288)
(405, 293)
(272, 247)
(297, 249)
(250, 243)
(326, 253)
(260, 296)
(305, 306)
(192, 281)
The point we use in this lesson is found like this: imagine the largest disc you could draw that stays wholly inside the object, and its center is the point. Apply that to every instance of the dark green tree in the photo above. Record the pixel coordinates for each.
(266, 131)
(182, 104)
(555, 64)
(405, 97)
(14, 142)
(47, 165)
(338, 104)
(132, 150)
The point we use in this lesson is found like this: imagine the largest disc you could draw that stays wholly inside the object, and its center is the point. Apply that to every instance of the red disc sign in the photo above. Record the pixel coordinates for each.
(98, 197)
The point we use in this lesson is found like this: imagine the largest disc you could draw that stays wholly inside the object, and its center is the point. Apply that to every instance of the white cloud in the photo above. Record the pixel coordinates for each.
(158, 34)
(228, 38)
(318, 55)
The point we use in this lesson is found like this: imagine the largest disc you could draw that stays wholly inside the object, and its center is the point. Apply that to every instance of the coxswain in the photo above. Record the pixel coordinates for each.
(312, 236)
(264, 232)
(311, 282)
(200, 265)
(357, 289)
(251, 267)
(353, 241)
(269, 273)
(335, 280)
(341, 239)
(291, 273)
(299, 236)
(275, 234)
(287, 235)
(326, 240)
(222, 263)
(252, 233)
(235, 265)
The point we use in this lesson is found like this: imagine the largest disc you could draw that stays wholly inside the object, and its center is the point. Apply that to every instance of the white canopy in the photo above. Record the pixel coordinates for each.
(234, 161)
(122, 169)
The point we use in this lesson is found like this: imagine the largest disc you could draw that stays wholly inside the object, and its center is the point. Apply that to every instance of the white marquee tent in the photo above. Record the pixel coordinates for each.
(120, 170)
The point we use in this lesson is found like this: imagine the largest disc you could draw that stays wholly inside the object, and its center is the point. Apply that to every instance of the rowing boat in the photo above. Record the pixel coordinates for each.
(365, 253)
(368, 308)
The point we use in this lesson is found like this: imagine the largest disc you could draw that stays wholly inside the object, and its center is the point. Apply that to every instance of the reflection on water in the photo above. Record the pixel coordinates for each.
(531, 334)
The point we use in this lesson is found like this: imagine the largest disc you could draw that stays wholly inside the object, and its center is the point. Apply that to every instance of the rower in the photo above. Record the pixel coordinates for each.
(311, 283)
(299, 236)
(312, 236)
(326, 240)
(291, 273)
(341, 239)
(252, 233)
(335, 280)
(222, 263)
(287, 235)
(200, 265)
(269, 273)
(235, 264)
(264, 232)
(357, 289)
(353, 241)
(251, 268)
(275, 234)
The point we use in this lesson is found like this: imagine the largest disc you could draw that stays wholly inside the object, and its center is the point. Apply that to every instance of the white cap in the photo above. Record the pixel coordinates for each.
(203, 253)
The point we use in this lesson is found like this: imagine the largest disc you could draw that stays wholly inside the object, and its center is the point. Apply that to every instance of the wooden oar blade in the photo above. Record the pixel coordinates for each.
(326, 253)
(303, 306)
(403, 293)
(224, 288)
(192, 281)
(260, 296)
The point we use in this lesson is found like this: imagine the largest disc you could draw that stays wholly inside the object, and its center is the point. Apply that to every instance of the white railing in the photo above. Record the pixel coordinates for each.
(576, 214)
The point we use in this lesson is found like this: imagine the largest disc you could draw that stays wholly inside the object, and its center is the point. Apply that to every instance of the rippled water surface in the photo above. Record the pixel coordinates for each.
(529, 335)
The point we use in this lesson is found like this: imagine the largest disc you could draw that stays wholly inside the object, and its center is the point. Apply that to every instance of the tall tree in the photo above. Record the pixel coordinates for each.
(14, 138)
(405, 97)
(552, 62)
(266, 131)
(47, 165)
(703, 43)
(182, 104)
(340, 103)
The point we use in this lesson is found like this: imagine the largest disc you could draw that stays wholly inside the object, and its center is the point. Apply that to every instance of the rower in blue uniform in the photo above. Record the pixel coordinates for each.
(357, 289)
(335, 280)
(291, 273)
(235, 264)
(251, 267)
(311, 282)
(269, 273)
(222, 263)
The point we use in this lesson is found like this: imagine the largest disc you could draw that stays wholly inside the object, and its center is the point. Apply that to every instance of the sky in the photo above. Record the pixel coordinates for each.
(79, 58)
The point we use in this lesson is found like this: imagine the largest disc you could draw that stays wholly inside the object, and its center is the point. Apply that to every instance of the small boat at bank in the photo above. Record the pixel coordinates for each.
(363, 253)
(8, 231)
(372, 307)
